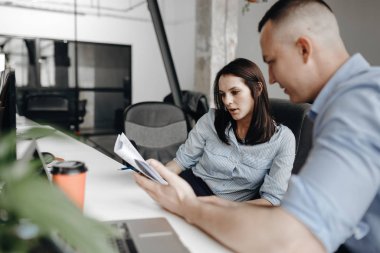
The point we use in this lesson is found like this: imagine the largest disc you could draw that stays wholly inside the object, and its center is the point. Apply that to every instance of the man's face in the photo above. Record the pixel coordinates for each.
(285, 64)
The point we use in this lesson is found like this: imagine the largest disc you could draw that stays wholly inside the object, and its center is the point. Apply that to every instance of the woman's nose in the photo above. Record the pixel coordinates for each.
(227, 100)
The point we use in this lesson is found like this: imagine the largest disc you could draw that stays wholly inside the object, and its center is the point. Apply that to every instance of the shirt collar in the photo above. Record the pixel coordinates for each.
(350, 68)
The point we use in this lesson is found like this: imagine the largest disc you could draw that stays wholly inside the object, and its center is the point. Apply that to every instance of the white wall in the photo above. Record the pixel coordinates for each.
(358, 20)
(359, 25)
(148, 73)
(248, 41)
(179, 20)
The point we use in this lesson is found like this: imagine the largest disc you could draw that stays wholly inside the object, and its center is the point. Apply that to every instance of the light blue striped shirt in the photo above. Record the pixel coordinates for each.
(239, 172)
(337, 193)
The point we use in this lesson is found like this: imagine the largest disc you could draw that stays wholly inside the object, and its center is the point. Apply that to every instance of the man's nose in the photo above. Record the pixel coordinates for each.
(272, 78)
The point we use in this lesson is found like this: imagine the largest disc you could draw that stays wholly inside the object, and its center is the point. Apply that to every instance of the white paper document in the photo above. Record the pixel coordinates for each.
(126, 151)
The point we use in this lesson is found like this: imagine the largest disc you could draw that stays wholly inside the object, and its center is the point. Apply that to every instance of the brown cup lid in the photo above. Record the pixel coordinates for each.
(68, 167)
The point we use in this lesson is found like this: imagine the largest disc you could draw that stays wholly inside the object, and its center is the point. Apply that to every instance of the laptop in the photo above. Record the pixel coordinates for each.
(149, 235)
(32, 153)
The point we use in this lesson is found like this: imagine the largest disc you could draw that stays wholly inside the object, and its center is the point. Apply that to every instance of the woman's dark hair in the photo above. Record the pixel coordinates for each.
(262, 126)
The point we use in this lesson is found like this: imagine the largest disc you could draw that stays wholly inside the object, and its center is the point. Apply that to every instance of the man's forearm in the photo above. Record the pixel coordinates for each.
(248, 228)
(228, 225)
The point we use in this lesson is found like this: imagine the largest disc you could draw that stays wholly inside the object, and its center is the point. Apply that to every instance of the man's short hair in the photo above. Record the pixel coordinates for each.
(283, 8)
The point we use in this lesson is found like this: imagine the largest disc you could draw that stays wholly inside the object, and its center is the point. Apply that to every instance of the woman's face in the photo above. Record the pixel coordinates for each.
(236, 97)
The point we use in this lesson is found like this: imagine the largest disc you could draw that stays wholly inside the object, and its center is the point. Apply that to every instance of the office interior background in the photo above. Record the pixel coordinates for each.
(110, 49)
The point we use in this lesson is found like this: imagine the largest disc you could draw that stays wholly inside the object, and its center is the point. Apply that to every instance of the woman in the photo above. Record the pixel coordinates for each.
(237, 151)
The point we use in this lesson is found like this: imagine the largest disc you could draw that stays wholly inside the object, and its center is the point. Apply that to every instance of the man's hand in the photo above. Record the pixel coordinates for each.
(175, 196)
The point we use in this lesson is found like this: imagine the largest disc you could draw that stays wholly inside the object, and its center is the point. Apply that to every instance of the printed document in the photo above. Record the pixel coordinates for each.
(125, 149)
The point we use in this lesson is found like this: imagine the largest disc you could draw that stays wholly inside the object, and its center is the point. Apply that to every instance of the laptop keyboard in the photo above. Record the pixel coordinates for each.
(125, 243)
(150, 235)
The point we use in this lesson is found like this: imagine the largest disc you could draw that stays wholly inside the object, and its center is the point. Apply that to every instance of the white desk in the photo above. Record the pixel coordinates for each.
(112, 194)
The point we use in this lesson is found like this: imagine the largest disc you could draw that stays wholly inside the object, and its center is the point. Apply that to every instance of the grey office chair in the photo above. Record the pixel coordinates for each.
(294, 116)
(156, 128)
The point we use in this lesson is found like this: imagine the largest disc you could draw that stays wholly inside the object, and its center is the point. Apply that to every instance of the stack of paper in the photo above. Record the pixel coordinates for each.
(125, 149)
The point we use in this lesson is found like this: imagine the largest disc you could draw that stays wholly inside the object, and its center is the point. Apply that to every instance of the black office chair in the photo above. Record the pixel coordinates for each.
(7, 101)
(56, 108)
(294, 116)
(157, 129)
(195, 105)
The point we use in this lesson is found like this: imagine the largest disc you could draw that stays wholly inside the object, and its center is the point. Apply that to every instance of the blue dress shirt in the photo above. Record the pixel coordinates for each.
(239, 172)
(336, 195)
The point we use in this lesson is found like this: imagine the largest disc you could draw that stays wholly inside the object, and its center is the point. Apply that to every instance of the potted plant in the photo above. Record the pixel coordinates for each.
(35, 216)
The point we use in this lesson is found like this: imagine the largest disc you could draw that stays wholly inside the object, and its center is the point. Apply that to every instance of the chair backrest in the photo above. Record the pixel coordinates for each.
(7, 101)
(52, 108)
(55, 108)
(295, 117)
(157, 129)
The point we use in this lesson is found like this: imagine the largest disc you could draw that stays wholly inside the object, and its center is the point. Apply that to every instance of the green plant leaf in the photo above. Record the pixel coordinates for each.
(29, 197)
(46, 206)
(36, 132)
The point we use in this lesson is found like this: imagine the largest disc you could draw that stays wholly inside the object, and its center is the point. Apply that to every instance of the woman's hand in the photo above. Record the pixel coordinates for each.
(173, 166)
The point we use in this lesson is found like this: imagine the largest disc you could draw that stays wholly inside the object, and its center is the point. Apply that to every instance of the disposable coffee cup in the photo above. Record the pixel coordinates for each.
(70, 176)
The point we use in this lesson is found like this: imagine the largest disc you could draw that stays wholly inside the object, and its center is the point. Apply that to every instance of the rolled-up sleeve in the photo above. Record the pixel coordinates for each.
(276, 181)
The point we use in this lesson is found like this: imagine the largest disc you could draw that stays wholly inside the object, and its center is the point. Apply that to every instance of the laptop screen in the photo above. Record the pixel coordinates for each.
(33, 154)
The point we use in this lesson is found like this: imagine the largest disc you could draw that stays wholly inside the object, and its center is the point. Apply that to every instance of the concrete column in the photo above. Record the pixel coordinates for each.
(216, 40)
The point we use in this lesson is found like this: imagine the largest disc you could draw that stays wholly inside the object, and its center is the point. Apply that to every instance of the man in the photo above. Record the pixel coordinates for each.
(335, 199)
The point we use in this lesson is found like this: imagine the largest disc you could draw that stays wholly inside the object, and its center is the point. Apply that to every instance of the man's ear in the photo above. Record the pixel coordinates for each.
(304, 48)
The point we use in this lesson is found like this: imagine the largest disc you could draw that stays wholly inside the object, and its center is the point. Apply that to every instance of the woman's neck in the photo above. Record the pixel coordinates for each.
(241, 129)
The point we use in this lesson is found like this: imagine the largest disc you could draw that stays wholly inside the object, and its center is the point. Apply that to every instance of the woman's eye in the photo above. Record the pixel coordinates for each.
(234, 92)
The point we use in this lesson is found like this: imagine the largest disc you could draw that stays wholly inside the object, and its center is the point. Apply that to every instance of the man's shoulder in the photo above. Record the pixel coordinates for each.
(359, 91)
(353, 107)
(369, 78)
